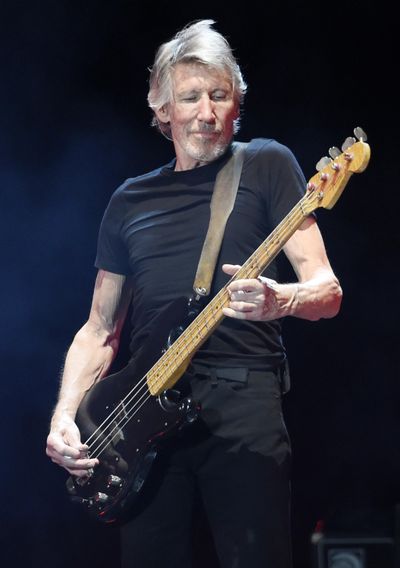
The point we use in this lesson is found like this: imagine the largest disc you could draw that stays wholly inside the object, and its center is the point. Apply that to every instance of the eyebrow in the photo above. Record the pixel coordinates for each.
(197, 91)
(189, 92)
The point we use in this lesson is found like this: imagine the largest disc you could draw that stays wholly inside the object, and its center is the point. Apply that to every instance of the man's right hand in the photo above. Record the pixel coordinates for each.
(64, 447)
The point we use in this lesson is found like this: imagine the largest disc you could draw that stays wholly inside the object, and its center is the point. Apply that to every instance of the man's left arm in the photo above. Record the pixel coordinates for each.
(317, 294)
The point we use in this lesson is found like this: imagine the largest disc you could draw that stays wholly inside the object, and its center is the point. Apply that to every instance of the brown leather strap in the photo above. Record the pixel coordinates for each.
(222, 201)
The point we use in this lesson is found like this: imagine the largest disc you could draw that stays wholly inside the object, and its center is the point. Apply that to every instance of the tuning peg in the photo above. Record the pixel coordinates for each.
(360, 134)
(350, 140)
(334, 152)
(324, 161)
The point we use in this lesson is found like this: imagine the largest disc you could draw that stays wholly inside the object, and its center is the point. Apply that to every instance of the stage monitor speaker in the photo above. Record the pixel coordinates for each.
(352, 551)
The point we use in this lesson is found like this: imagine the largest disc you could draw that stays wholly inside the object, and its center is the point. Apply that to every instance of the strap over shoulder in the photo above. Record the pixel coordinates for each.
(222, 202)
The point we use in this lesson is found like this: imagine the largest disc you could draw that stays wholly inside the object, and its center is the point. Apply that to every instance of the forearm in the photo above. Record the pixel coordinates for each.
(317, 294)
(88, 360)
(319, 297)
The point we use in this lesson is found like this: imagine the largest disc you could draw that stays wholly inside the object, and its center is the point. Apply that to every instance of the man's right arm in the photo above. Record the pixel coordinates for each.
(88, 360)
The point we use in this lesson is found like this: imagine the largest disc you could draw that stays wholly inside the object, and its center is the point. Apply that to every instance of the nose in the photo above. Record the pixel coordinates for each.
(206, 109)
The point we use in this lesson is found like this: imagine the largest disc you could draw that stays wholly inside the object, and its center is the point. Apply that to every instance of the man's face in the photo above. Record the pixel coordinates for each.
(201, 114)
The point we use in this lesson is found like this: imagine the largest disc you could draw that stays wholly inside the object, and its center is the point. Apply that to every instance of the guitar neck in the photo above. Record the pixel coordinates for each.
(168, 369)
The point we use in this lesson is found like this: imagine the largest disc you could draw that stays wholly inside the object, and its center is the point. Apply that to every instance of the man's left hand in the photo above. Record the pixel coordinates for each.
(258, 299)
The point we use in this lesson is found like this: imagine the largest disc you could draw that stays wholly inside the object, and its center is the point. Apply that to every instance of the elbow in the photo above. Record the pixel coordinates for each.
(320, 301)
(334, 300)
(327, 305)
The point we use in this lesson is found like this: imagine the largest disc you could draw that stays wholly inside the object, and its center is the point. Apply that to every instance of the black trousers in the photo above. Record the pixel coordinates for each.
(235, 461)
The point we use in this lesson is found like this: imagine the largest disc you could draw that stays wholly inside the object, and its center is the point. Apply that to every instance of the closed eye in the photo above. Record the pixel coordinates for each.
(189, 97)
(219, 95)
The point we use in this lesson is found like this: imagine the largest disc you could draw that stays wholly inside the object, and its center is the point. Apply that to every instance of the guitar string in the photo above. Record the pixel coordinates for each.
(119, 409)
(113, 417)
(102, 447)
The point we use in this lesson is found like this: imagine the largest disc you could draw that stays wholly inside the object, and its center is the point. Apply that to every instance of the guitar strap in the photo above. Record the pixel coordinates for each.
(222, 202)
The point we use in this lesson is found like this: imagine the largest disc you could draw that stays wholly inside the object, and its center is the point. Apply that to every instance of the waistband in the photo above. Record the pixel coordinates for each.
(241, 374)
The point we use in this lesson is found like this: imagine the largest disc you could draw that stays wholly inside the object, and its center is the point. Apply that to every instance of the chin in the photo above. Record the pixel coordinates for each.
(208, 152)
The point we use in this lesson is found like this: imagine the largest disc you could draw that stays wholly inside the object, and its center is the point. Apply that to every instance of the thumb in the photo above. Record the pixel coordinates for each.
(231, 269)
(72, 437)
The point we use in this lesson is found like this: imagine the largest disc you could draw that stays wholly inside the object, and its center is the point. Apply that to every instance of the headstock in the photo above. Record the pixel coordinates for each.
(325, 187)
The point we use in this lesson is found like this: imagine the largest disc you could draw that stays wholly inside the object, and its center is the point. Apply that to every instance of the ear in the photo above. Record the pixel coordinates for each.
(163, 114)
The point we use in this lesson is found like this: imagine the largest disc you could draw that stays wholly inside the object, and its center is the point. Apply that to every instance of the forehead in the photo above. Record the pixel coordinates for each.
(198, 76)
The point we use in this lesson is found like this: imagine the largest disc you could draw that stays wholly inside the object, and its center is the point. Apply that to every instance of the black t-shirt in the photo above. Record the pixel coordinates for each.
(154, 229)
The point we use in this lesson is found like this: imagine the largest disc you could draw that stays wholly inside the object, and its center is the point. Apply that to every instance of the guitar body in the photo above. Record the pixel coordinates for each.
(125, 425)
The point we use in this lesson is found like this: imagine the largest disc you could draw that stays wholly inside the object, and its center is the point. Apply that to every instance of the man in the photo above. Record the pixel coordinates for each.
(235, 459)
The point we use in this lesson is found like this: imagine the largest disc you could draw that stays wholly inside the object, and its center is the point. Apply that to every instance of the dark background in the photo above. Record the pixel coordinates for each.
(74, 125)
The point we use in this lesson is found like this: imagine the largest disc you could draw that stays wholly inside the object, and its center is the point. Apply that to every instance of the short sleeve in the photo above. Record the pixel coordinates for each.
(112, 254)
(281, 180)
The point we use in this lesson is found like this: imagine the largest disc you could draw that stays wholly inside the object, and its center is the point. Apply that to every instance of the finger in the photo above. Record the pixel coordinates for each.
(80, 472)
(240, 306)
(234, 314)
(69, 437)
(255, 297)
(245, 285)
(73, 453)
(59, 451)
(72, 437)
(252, 315)
(230, 269)
(269, 283)
(57, 446)
(74, 465)
(80, 464)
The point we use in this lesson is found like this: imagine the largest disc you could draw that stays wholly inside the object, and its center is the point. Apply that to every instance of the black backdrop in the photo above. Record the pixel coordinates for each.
(74, 124)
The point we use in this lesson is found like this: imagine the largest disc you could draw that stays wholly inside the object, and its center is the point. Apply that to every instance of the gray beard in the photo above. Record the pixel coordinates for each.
(206, 155)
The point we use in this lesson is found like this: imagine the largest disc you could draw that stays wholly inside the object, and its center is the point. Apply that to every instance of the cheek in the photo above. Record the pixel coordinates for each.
(235, 112)
(182, 120)
(180, 130)
(228, 116)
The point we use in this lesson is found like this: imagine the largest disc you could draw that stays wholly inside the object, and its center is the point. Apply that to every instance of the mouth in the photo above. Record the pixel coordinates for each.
(206, 133)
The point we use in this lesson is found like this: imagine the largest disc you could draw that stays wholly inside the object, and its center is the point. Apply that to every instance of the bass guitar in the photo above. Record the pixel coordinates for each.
(125, 417)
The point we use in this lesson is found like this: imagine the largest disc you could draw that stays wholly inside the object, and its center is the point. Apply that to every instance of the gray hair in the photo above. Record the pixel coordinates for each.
(195, 43)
